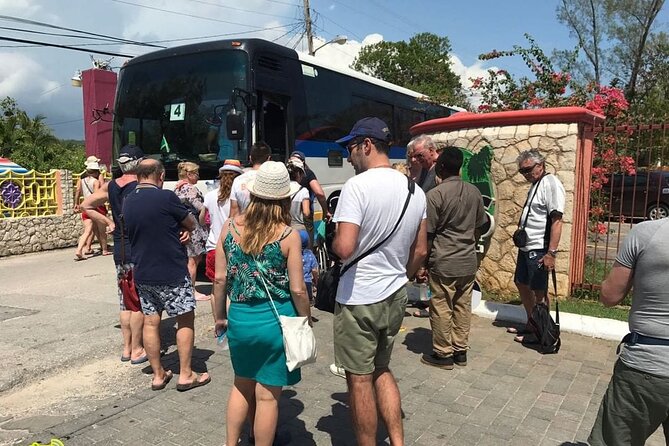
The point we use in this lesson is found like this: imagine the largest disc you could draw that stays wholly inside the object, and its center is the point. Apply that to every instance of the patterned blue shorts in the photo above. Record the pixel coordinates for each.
(175, 300)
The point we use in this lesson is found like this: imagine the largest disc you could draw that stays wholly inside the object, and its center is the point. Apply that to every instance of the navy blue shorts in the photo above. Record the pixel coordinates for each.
(528, 271)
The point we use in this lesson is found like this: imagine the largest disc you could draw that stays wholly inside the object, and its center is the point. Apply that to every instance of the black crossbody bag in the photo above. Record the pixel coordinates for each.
(520, 235)
(329, 280)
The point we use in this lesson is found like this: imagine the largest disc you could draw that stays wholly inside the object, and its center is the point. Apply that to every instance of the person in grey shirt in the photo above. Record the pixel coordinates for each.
(637, 399)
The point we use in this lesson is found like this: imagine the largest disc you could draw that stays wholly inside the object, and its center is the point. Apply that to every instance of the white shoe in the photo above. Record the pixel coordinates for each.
(337, 371)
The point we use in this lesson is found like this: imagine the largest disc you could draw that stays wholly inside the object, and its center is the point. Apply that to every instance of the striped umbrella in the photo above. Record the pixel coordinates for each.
(8, 165)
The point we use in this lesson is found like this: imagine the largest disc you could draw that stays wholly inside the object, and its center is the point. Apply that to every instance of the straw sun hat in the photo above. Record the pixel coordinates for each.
(272, 182)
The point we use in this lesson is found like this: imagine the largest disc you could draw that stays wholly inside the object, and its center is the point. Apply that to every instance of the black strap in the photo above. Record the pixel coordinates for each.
(412, 187)
(86, 184)
(636, 338)
(528, 203)
(122, 224)
(557, 300)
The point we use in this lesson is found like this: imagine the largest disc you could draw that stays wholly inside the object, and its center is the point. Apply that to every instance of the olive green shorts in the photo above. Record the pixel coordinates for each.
(364, 335)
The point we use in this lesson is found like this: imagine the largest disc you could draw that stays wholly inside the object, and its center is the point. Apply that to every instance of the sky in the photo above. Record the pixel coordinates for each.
(39, 78)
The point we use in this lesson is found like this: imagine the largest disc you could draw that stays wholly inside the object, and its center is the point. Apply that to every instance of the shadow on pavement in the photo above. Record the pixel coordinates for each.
(419, 340)
(339, 427)
(292, 430)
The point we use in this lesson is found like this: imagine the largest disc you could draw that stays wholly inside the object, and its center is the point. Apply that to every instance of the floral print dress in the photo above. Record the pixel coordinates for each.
(193, 199)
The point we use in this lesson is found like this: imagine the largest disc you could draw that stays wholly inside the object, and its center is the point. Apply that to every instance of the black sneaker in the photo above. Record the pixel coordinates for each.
(460, 358)
(437, 361)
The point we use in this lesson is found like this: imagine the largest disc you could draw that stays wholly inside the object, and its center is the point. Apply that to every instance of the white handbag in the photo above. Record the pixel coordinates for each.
(299, 341)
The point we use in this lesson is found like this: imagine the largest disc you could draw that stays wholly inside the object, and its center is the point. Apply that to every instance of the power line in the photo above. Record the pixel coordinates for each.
(64, 122)
(53, 89)
(106, 53)
(48, 25)
(186, 14)
(350, 32)
(375, 18)
(225, 34)
(291, 30)
(400, 18)
(211, 36)
(31, 31)
(241, 10)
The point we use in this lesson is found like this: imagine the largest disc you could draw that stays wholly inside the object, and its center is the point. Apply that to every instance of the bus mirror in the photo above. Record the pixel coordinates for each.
(234, 124)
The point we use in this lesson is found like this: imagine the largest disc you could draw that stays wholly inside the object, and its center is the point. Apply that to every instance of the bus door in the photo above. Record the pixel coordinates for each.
(273, 123)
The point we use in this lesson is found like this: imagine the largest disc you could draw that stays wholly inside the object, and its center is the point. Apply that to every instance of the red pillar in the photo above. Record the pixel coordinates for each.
(99, 89)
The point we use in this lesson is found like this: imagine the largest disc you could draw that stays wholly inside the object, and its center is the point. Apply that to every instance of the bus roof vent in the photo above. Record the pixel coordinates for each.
(269, 63)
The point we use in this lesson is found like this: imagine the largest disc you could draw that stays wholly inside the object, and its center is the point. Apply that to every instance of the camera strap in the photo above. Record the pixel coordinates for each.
(528, 204)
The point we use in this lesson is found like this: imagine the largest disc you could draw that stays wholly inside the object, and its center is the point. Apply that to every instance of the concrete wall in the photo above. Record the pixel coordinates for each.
(35, 234)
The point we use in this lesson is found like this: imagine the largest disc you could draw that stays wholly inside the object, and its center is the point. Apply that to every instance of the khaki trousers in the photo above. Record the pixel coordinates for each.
(450, 313)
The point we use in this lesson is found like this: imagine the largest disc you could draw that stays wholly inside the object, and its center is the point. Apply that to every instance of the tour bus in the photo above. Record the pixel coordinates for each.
(210, 101)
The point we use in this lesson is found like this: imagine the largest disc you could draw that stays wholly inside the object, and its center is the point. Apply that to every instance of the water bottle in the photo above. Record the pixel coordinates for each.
(222, 340)
(424, 292)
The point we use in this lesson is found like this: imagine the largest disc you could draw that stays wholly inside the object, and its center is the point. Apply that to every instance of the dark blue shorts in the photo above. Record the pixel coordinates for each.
(528, 271)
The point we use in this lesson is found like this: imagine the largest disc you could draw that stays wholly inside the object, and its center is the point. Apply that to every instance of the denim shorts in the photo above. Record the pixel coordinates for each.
(175, 300)
(529, 271)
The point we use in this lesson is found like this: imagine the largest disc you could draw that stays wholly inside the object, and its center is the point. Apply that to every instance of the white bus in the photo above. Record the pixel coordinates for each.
(210, 101)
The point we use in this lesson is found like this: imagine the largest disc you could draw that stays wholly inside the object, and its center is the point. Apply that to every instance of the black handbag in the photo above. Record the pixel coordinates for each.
(544, 327)
(519, 236)
(329, 280)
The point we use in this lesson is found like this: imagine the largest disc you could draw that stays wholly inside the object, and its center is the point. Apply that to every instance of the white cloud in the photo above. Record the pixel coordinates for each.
(467, 73)
(22, 76)
(342, 56)
(24, 8)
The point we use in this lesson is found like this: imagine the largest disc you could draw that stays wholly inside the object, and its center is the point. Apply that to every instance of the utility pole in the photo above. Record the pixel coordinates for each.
(307, 21)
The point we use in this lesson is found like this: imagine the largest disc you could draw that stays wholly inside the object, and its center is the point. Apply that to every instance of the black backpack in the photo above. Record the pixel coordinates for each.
(545, 329)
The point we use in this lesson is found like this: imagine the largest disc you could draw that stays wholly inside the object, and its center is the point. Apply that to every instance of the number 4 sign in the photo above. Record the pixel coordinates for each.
(177, 112)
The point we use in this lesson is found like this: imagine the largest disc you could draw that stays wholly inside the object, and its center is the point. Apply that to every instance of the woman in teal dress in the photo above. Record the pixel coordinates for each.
(256, 253)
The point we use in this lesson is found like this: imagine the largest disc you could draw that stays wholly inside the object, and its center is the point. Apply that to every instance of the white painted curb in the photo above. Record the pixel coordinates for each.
(595, 327)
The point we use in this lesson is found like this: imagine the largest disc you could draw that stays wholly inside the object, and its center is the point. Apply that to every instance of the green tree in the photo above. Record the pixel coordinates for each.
(626, 26)
(31, 143)
(421, 64)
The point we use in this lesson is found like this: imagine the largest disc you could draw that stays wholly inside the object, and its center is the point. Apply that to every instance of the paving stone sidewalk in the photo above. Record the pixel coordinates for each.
(508, 394)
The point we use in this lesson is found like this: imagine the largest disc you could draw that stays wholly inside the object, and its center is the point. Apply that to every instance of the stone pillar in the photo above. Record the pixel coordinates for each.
(564, 137)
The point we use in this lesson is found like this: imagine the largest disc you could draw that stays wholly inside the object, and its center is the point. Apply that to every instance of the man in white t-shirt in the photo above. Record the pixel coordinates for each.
(371, 297)
(541, 219)
(240, 197)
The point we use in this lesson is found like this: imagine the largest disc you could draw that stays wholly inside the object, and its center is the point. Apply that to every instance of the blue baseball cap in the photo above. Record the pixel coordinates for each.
(130, 152)
(369, 128)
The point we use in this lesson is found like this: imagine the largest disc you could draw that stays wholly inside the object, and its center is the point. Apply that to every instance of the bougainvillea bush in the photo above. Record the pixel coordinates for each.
(500, 91)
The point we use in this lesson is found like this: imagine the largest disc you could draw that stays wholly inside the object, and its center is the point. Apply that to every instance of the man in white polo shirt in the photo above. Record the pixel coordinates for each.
(371, 297)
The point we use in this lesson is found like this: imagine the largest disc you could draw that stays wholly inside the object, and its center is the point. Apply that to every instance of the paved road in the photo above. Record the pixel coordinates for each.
(62, 377)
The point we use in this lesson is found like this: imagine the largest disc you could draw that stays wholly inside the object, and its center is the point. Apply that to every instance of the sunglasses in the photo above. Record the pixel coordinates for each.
(354, 144)
(528, 169)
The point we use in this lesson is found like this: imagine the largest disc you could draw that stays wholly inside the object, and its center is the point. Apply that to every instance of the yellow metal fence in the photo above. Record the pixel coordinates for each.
(30, 194)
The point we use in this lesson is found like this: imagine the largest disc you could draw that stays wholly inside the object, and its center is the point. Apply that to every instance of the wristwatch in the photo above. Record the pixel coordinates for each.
(552, 252)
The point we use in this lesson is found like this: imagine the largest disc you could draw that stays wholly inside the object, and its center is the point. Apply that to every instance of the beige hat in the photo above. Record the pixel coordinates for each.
(92, 159)
(92, 165)
(296, 162)
(272, 182)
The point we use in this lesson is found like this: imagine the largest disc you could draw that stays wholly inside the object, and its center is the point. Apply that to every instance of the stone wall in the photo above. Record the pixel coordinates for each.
(558, 143)
(34, 234)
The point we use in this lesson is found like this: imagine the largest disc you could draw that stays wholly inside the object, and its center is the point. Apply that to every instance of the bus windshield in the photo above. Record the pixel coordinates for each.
(175, 109)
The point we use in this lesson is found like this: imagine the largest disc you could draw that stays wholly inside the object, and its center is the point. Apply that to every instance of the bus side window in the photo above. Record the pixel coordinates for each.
(335, 158)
